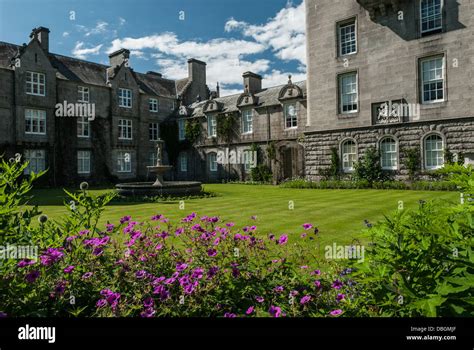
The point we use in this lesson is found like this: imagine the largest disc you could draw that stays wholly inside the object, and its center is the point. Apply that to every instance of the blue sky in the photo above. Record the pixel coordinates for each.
(268, 39)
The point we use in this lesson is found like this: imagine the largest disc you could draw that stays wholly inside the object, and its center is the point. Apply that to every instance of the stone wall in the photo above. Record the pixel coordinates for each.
(458, 137)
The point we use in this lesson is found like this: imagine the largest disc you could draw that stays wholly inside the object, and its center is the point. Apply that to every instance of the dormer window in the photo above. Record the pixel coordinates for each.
(212, 126)
(431, 18)
(35, 84)
(153, 105)
(125, 98)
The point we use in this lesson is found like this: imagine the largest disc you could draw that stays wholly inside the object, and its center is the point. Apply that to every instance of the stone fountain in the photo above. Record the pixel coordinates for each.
(159, 187)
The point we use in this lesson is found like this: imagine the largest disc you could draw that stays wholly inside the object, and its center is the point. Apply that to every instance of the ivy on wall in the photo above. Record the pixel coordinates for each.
(225, 127)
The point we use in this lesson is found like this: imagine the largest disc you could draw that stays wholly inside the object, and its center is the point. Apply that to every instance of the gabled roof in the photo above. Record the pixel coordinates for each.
(266, 97)
(73, 69)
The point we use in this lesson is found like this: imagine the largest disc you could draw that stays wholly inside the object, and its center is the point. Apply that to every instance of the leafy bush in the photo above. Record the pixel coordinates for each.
(369, 167)
(412, 162)
(421, 262)
(333, 171)
(192, 130)
(261, 173)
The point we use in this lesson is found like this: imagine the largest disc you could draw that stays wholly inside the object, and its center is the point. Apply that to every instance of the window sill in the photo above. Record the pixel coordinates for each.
(348, 115)
(431, 105)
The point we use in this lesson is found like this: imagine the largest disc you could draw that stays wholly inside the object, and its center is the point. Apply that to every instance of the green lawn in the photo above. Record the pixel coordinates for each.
(339, 214)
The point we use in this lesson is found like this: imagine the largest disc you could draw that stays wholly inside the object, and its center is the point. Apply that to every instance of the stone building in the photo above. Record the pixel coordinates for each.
(394, 75)
(88, 121)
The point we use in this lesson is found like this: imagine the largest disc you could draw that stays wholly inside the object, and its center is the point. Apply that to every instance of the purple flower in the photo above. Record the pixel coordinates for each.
(198, 273)
(84, 232)
(87, 275)
(212, 252)
(283, 240)
(316, 272)
(317, 284)
(148, 302)
(335, 312)
(340, 297)
(212, 272)
(69, 269)
(106, 292)
(101, 303)
(278, 289)
(230, 315)
(125, 219)
(148, 312)
(254, 217)
(51, 255)
(337, 284)
(294, 293)
(181, 267)
(230, 224)
(179, 231)
(259, 299)
(271, 236)
(98, 251)
(156, 217)
(109, 227)
(60, 287)
(162, 292)
(250, 310)
(140, 274)
(307, 226)
(303, 235)
(70, 239)
(275, 311)
(26, 262)
(32, 276)
(306, 299)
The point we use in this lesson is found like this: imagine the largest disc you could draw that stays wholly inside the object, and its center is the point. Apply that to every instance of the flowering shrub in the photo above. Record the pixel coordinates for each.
(199, 266)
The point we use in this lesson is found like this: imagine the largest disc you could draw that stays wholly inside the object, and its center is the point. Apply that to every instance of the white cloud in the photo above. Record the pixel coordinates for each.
(81, 52)
(65, 34)
(284, 33)
(100, 28)
(122, 21)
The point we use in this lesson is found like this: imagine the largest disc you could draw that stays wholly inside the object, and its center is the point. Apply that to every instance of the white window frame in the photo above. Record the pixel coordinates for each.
(36, 164)
(391, 155)
(439, 152)
(290, 119)
(37, 122)
(35, 83)
(213, 166)
(422, 19)
(347, 159)
(247, 163)
(125, 98)
(125, 129)
(154, 131)
(83, 94)
(351, 42)
(182, 129)
(433, 81)
(247, 121)
(83, 162)
(83, 127)
(342, 93)
(124, 166)
(183, 162)
(211, 126)
(153, 105)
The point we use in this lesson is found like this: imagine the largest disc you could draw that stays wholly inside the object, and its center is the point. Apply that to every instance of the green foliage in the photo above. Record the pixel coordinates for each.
(193, 130)
(225, 127)
(334, 170)
(261, 173)
(271, 151)
(15, 218)
(412, 162)
(421, 262)
(369, 167)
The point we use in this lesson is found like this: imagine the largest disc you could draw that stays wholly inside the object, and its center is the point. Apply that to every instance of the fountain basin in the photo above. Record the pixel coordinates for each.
(173, 188)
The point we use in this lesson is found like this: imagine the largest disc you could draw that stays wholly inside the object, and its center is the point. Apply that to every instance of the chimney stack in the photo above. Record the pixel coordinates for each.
(197, 76)
(42, 35)
(253, 82)
(118, 57)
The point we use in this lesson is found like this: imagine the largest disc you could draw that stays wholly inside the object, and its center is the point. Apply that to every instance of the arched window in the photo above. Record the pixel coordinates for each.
(434, 152)
(212, 161)
(349, 155)
(388, 154)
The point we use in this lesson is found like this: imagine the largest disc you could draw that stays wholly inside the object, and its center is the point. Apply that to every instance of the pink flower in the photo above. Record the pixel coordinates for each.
(306, 299)
(335, 312)
(283, 240)
(250, 310)
(260, 299)
(340, 297)
(307, 226)
(275, 311)
(69, 269)
(317, 284)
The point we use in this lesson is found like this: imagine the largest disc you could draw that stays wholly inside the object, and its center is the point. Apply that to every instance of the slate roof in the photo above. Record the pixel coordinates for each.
(266, 97)
(77, 70)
